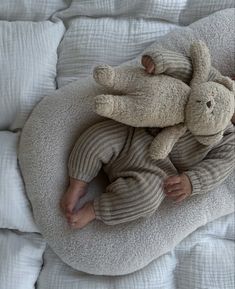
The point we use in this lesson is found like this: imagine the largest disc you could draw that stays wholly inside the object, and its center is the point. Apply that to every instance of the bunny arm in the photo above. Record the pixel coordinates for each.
(226, 81)
(163, 143)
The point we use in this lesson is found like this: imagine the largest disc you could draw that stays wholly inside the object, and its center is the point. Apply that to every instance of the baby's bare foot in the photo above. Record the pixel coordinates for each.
(82, 217)
(75, 191)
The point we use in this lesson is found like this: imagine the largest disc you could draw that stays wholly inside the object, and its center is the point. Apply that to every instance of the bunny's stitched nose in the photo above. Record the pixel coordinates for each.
(208, 104)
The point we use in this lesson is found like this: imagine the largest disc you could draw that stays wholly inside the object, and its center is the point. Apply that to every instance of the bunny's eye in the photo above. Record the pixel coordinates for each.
(199, 101)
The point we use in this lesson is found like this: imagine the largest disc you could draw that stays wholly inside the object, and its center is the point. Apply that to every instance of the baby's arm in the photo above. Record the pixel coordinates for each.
(217, 165)
(208, 174)
(158, 60)
(171, 63)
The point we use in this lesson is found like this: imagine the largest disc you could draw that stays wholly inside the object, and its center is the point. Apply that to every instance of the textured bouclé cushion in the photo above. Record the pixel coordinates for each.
(187, 266)
(46, 142)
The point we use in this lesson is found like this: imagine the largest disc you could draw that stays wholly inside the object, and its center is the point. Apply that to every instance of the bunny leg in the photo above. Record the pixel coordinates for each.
(122, 108)
(104, 75)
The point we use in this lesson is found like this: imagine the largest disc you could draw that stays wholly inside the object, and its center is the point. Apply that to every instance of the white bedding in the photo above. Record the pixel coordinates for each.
(204, 260)
(85, 33)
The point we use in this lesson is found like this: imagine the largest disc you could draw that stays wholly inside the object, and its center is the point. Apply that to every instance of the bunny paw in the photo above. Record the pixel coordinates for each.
(104, 105)
(104, 75)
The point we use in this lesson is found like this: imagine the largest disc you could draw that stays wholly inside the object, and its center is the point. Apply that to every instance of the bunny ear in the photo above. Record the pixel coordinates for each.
(201, 60)
(227, 82)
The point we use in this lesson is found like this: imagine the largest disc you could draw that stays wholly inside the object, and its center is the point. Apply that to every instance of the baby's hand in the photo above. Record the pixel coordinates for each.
(148, 63)
(178, 187)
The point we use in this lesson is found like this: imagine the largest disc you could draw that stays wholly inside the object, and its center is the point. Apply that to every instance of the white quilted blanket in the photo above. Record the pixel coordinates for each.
(45, 45)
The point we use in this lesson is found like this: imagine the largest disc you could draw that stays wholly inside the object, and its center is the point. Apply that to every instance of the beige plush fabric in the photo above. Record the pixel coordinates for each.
(144, 100)
(47, 140)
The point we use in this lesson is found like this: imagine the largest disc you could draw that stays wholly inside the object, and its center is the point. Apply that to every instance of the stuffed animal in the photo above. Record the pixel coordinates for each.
(139, 99)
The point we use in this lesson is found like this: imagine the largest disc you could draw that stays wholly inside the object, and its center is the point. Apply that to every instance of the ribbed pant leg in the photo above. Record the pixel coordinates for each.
(130, 198)
(95, 147)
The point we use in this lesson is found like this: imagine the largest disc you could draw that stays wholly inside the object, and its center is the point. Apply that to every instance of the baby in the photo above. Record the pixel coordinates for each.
(139, 184)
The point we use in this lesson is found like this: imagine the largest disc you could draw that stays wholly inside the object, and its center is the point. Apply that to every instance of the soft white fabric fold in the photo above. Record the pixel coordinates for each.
(28, 58)
(15, 209)
(20, 259)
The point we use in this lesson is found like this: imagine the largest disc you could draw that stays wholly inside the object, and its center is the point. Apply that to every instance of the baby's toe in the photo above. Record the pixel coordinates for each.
(77, 223)
(84, 216)
(72, 218)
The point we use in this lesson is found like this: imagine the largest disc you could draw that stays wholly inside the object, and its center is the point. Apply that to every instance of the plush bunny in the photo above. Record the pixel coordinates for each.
(142, 100)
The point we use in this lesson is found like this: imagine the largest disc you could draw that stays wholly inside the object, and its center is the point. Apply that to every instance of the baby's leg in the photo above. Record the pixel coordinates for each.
(130, 198)
(125, 200)
(97, 146)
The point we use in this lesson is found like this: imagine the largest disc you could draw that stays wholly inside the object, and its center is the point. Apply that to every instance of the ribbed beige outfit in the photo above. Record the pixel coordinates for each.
(136, 181)
(175, 64)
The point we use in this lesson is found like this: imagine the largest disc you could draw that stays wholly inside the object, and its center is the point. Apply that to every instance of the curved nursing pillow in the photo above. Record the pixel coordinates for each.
(46, 142)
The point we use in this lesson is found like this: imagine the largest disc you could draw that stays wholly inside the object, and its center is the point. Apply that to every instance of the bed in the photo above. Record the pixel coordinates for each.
(45, 45)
